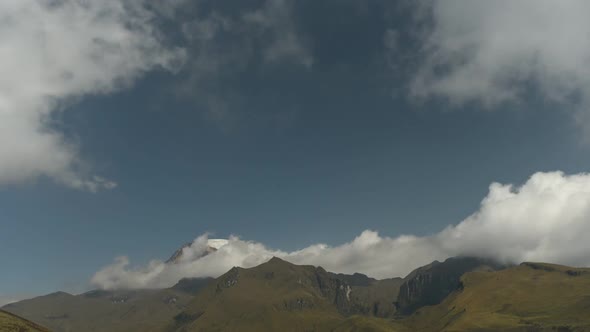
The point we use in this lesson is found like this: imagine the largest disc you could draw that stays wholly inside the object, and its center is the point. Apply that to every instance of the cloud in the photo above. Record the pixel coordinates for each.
(226, 46)
(264, 33)
(275, 19)
(495, 52)
(53, 52)
(545, 219)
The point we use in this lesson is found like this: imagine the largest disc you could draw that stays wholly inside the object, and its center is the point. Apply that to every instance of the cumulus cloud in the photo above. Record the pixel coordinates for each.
(545, 219)
(499, 51)
(53, 52)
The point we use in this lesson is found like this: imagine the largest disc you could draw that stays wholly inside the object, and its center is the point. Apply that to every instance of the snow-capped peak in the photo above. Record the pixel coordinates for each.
(216, 243)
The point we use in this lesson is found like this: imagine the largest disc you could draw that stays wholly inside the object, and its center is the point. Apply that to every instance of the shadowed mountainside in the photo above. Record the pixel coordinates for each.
(370, 296)
(431, 284)
(529, 297)
(109, 311)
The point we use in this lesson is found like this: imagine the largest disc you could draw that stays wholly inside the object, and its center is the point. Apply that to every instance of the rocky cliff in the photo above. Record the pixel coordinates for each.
(430, 284)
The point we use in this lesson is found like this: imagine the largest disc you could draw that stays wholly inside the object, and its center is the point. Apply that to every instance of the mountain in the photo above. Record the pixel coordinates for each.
(371, 296)
(212, 246)
(12, 323)
(529, 297)
(302, 293)
(99, 310)
(459, 294)
(116, 310)
(431, 284)
(278, 296)
(191, 285)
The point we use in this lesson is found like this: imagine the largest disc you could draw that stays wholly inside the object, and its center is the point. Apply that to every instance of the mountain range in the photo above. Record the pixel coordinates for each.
(459, 294)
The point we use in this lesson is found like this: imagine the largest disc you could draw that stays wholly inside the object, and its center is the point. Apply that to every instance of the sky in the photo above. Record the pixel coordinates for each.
(367, 137)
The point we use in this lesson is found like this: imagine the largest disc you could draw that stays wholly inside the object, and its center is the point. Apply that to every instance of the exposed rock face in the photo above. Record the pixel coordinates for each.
(356, 279)
(334, 289)
(369, 296)
(430, 284)
(317, 280)
(177, 254)
(280, 289)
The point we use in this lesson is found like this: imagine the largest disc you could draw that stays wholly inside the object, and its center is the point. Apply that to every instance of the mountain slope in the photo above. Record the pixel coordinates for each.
(431, 284)
(275, 296)
(280, 296)
(112, 311)
(529, 297)
(12, 323)
(370, 296)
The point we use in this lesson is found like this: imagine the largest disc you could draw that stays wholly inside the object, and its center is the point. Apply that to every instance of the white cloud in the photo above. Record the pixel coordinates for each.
(498, 51)
(52, 52)
(546, 219)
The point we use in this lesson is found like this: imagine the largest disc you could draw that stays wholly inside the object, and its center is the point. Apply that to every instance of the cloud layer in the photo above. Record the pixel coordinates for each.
(545, 219)
(500, 51)
(53, 52)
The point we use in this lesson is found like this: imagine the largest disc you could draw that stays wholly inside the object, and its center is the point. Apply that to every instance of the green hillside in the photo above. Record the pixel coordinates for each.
(276, 296)
(529, 297)
(280, 296)
(12, 323)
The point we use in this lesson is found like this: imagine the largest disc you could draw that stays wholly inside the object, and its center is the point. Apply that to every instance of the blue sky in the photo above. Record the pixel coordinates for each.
(287, 124)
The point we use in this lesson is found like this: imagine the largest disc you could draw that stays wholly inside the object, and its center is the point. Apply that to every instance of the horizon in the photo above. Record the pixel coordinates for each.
(360, 137)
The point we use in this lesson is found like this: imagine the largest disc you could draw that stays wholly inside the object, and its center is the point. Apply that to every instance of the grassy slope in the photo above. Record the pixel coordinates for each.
(275, 296)
(532, 295)
(279, 296)
(259, 301)
(368, 324)
(12, 323)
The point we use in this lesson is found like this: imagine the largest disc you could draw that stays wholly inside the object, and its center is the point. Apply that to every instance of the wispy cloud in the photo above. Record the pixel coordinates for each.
(545, 219)
(495, 52)
(225, 45)
(54, 52)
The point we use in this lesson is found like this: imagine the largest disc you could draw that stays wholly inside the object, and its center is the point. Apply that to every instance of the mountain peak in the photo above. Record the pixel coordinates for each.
(276, 260)
(217, 243)
(276, 264)
(212, 246)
